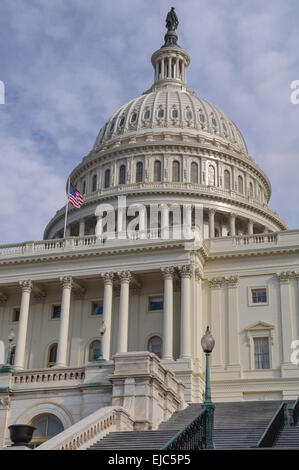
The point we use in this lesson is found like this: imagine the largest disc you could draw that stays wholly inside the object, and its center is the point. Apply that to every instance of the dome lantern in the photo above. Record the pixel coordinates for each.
(170, 61)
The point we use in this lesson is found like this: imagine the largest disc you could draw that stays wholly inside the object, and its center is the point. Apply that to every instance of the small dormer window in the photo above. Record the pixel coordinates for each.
(146, 114)
(122, 122)
(224, 127)
(202, 118)
(188, 115)
(175, 114)
(161, 113)
(214, 122)
(112, 126)
(133, 117)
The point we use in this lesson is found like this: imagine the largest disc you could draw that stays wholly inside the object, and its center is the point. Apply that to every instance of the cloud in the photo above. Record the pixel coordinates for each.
(68, 65)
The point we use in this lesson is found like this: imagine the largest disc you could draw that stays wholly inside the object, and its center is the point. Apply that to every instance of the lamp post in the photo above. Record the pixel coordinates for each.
(208, 343)
(8, 366)
(102, 332)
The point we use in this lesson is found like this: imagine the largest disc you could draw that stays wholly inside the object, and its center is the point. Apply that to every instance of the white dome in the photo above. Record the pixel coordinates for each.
(172, 108)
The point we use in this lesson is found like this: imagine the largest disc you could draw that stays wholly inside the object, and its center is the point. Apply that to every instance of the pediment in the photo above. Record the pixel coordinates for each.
(260, 325)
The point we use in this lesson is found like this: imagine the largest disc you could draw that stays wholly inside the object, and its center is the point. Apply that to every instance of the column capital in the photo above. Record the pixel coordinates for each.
(232, 215)
(66, 282)
(186, 271)
(232, 281)
(107, 277)
(215, 282)
(124, 276)
(197, 274)
(284, 277)
(168, 272)
(212, 211)
(3, 298)
(26, 285)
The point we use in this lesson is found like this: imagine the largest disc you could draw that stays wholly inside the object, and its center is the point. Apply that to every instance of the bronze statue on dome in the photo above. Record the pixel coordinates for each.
(172, 20)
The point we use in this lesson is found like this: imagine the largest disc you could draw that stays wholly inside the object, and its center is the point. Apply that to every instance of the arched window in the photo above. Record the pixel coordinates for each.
(211, 176)
(139, 172)
(52, 355)
(84, 187)
(226, 179)
(94, 183)
(176, 171)
(94, 350)
(12, 355)
(107, 179)
(240, 184)
(122, 174)
(250, 189)
(154, 345)
(194, 172)
(47, 426)
(157, 170)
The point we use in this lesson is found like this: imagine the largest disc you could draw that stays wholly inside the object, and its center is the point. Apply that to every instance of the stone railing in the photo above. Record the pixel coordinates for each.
(89, 430)
(48, 377)
(256, 239)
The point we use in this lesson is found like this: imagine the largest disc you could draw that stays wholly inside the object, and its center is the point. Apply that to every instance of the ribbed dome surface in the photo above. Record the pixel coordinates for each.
(171, 108)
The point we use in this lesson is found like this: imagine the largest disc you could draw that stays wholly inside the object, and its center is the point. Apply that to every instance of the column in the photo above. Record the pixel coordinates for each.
(169, 67)
(217, 320)
(177, 70)
(233, 321)
(164, 221)
(212, 223)
(99, 227)
(186, 273)
(26, 287)
(66, 283)
(68, 231)
(162, 69)
(286, 315)
(168, 313)
(81, 228)
(250, 227)
(107, 313)
(232, 224)
(122, 343)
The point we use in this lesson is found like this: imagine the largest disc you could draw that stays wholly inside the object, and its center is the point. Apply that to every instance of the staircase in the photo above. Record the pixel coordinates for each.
(237, 425)
(288, 438)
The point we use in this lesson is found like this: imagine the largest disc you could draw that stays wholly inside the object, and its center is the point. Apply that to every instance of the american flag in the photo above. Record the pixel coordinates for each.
(75, 197)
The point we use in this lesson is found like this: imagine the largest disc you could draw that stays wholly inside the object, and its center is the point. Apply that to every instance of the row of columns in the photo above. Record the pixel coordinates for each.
(168, 64)
(232, 224)
(125, 278)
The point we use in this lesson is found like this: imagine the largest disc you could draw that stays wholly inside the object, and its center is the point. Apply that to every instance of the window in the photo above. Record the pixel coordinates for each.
(224, 127)
(16, 314)
(155, 345)
(155, 303)
(261, 353)
(176, 171)
(202, 118)
(139, 172)
(175, 114)
(194, 172)
(84, 187)
(94, 350)
(250, 189)
(161, 113)
(47, 426)
(259, 296)
(122, 174)
(97, 307)
(188, 115)
(112, 126)
(107, 179)
(52, 355)
(94, 183)
(56, 311)
(122, 122)
(226, 179)
(133, 117)
(146, 114)
(214, 122)
(157, 170)
(240, 184)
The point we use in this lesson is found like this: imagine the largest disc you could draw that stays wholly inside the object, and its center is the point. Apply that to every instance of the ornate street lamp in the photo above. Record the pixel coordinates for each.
(207, 344)
(102, 332)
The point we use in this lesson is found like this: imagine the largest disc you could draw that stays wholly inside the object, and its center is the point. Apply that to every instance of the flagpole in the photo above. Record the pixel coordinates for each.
(66, 207)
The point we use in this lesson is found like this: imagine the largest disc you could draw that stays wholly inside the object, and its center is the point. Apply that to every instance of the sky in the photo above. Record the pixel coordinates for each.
(67, 65)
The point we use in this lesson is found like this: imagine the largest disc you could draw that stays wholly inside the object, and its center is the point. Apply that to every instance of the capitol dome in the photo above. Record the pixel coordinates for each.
(170, 146)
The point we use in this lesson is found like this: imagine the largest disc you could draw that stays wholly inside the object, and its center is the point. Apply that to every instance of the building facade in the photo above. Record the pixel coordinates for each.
(175, 233)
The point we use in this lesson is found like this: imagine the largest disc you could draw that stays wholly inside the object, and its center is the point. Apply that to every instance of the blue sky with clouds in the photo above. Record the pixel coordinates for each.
(69, 64)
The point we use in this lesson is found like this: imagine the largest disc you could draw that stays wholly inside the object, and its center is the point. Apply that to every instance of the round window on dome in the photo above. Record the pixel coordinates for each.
(161, 113)
(122, 122)
(189, 115)
(214, 122)
(133, 117)
(175, 114)
(202, 118)
(112, 126)
(146, 114)
(224, 127)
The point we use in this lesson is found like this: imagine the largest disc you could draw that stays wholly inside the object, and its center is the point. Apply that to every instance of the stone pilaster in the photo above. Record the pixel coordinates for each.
(26, 287)
(66, 283)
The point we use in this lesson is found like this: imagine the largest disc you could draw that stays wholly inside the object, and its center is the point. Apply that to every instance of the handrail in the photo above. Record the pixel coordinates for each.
(294, 413)
(273, 428)
(191, 437)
